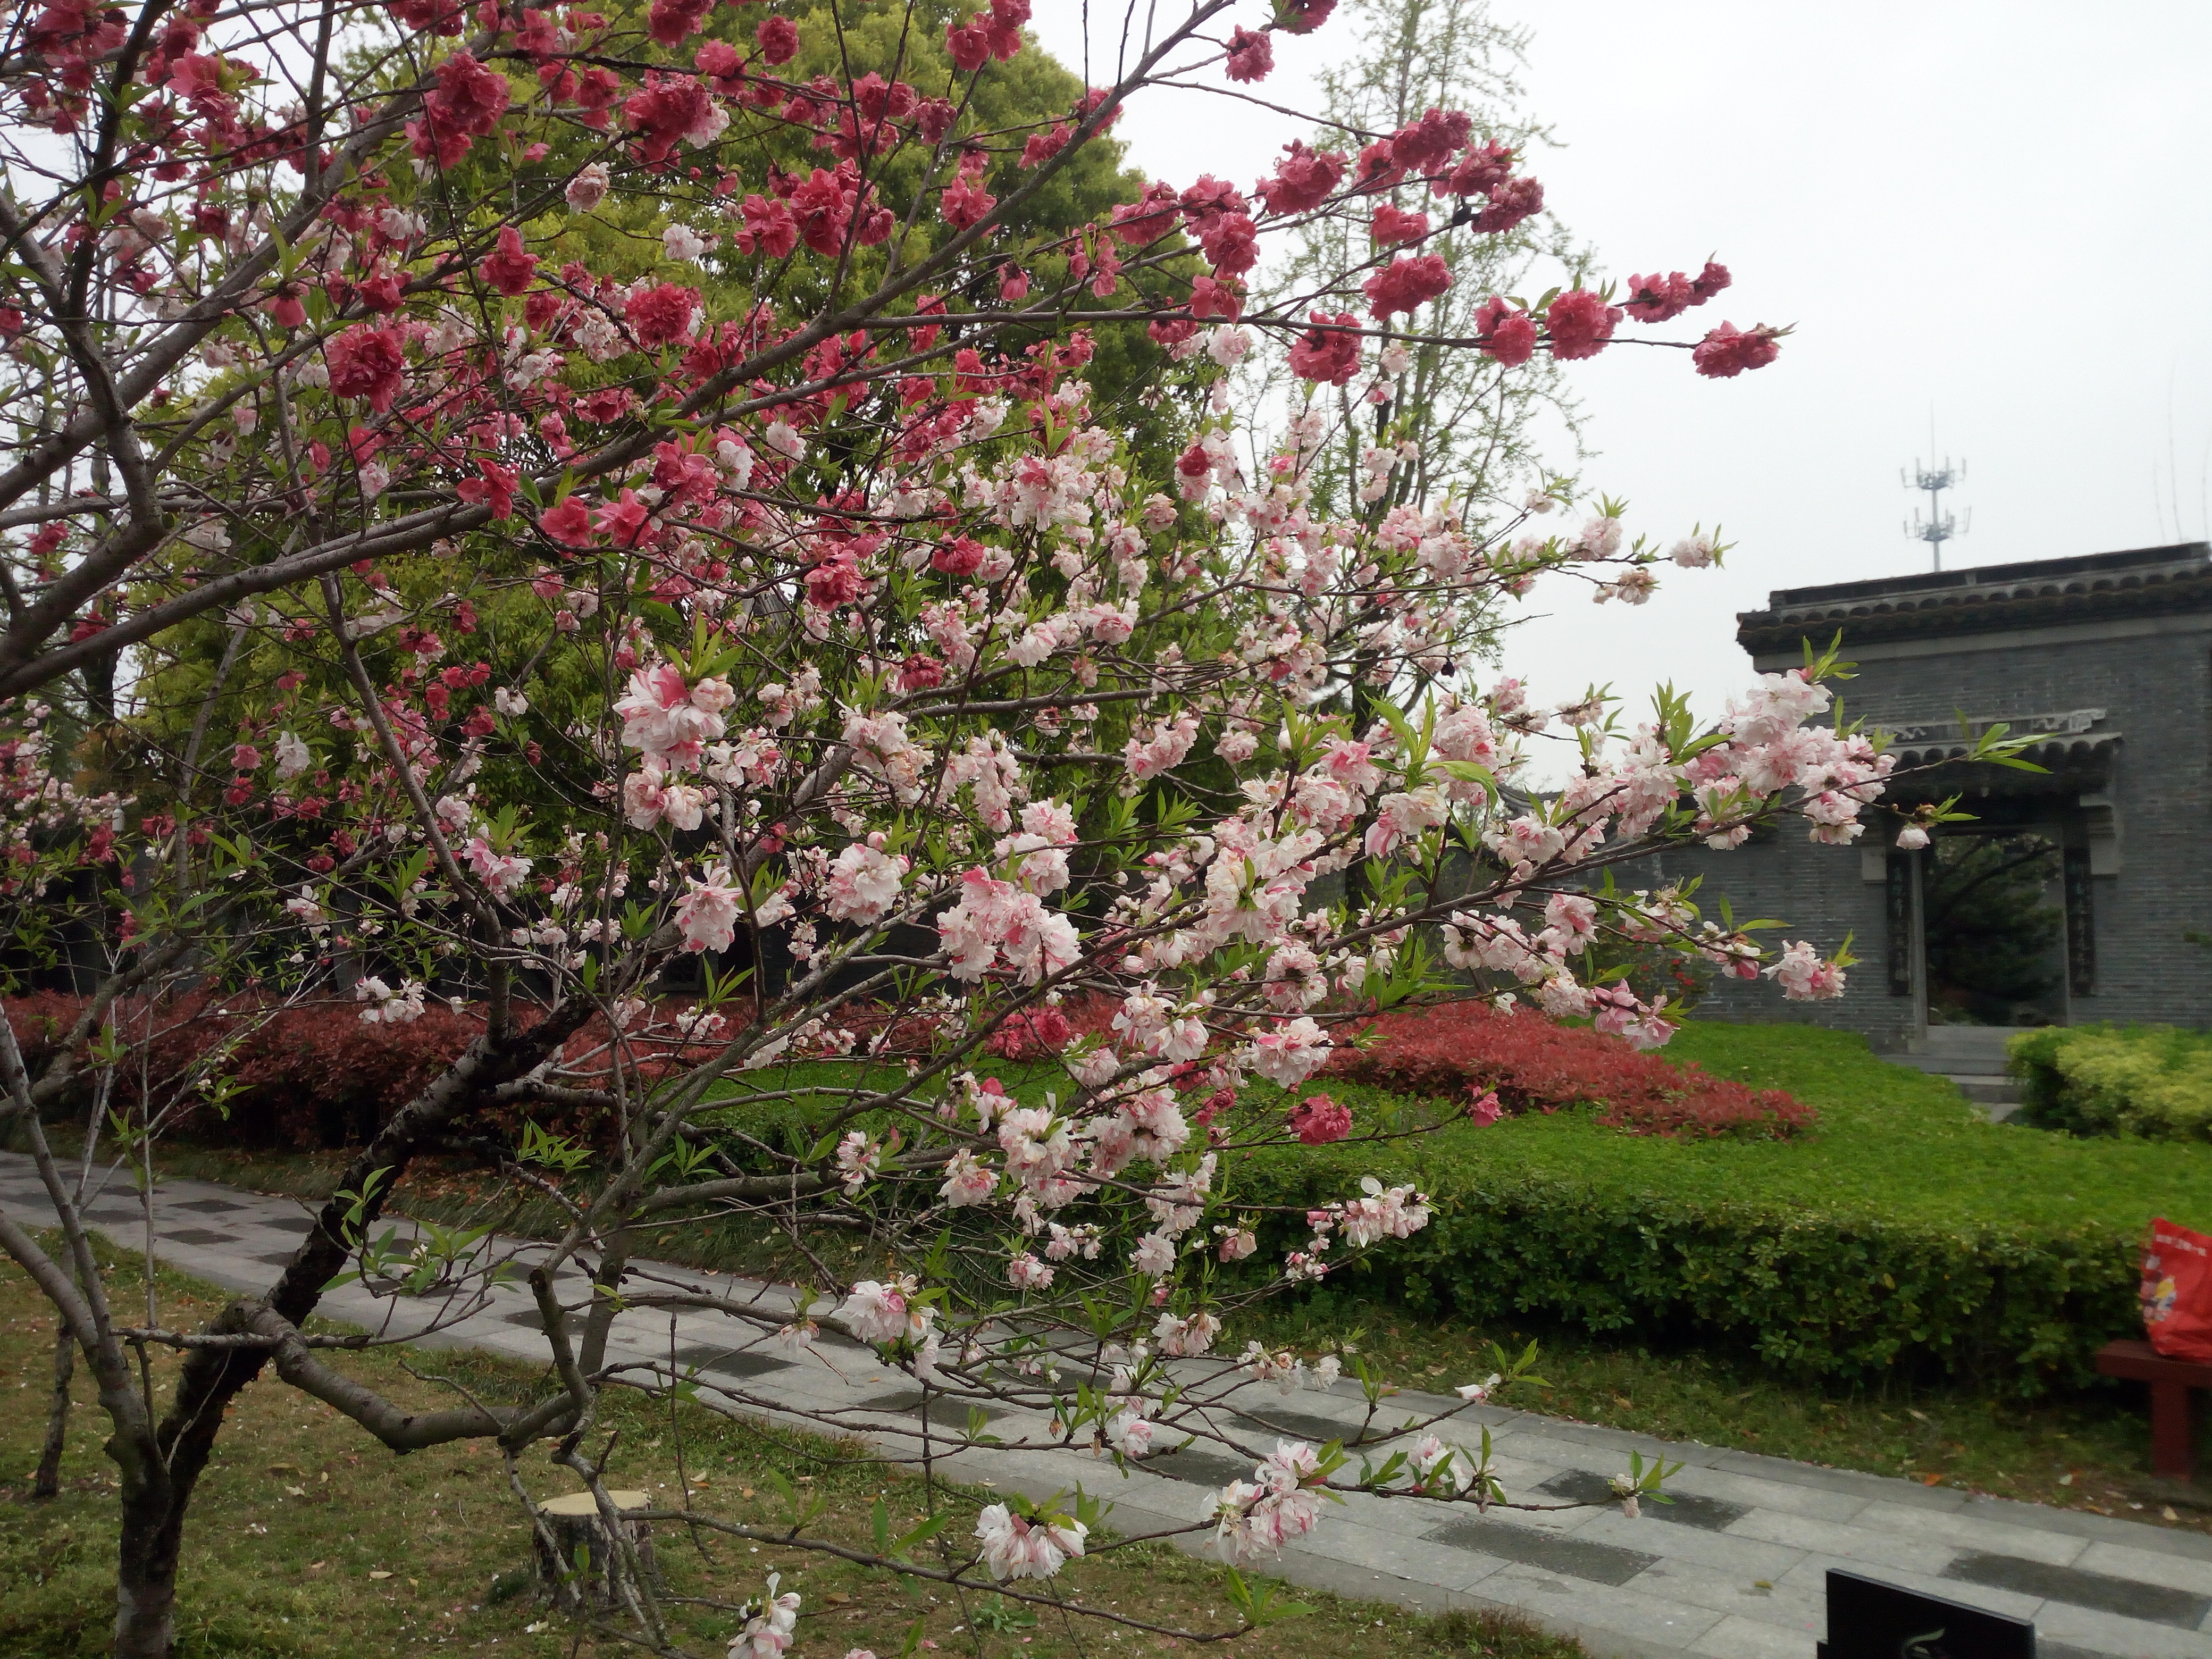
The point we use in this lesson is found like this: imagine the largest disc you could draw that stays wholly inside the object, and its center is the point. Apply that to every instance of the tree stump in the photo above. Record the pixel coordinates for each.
(584, 1568)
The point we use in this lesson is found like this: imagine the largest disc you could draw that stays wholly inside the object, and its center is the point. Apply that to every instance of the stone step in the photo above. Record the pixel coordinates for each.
(1988, 1090)
(1955, 1065)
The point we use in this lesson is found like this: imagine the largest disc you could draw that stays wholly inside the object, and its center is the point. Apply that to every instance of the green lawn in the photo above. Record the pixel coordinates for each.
(1890, 1138)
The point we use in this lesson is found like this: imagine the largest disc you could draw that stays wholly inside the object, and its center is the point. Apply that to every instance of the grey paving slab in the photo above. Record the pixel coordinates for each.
(2100, 1592)
(1810, 1577)
(1633, 1613)
(1861, 1546)
(1968, 1530)
(1575, 1442)
(2109, 1633)
(2146, 1566)
(1738, 1637)
(1747, 1558)
(1761, 1493)
(1570, 1556)
(1873, 1488)
(1768, 1600)
(1684, 1509)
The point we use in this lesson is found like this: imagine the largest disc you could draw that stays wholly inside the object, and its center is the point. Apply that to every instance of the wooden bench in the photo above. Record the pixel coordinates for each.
(2172, 1452)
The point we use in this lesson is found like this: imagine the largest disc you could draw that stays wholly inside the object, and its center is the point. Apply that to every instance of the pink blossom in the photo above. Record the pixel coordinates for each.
(1486, 1110)
(968, 1181)
(1804, 977)
(864, 883)
(707, 915)
(1317, 1120)
(588, 188)
(876, 1313)
(1728, 350)
(502, 874)
(1015, 1546)
(1251, 55)
(1288, 1054)
(1330, 353)
(1024, 1272)
(1580, 323)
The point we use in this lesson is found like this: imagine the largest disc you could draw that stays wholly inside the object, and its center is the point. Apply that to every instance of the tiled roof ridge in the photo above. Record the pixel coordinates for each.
(2076, 590)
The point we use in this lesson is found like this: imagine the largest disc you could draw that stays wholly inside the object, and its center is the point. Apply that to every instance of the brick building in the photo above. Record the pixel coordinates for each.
(2108, 660)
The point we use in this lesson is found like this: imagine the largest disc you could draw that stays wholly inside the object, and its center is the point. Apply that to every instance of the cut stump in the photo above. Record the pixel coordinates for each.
(584, 1568)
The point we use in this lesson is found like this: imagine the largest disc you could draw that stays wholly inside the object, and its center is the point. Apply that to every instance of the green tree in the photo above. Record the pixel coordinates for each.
(1473, 427)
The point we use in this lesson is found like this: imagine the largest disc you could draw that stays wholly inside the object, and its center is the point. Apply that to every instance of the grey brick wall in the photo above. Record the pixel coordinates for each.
(2149, 756)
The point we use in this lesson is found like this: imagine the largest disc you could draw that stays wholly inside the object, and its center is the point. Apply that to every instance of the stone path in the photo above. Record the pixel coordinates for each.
(1734, 1569)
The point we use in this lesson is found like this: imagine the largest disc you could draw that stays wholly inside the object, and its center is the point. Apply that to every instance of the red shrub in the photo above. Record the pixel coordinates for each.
(317, 1075)
(1031, 1034)
(1464, 1048)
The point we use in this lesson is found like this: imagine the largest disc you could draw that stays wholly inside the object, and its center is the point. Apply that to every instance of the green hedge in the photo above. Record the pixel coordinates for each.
(1908, 1236)
(2149, 1080)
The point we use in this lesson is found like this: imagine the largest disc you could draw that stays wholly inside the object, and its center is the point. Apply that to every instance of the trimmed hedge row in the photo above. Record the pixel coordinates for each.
(1844, 1294)
(1907, 1237)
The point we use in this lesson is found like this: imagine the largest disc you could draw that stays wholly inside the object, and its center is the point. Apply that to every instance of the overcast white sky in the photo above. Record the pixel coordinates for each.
(1997, 213)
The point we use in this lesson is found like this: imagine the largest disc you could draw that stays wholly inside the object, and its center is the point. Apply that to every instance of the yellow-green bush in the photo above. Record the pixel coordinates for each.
(2149, 1080)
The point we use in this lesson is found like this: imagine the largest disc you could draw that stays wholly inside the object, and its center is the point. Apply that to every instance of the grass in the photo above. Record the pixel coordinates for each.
(309, 1540)
(1890, 1138)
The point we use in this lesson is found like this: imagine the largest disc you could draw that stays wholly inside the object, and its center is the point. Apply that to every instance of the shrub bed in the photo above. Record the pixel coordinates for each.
(314, 1076)
(1532, 1064)
(2149, 1080)
(1909, 1237)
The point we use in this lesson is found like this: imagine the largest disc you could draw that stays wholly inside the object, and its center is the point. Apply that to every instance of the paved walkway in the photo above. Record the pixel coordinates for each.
(1734, 1569)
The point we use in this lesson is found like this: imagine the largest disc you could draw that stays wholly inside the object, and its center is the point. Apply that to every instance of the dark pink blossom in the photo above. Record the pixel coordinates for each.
(1330, 352)
(1728, 350)
(1317, 1120)
(1392, 224)
(1510, 203)
(366, 362)
(1407, 284)
(778, 39)
(570, 522)
(1480, 171)
(509, 270)
(1302, 180)
(661, 315)
(1506, 333)
(1302, 17)
(1424, 145)
(1580, 323)
(1251, 55)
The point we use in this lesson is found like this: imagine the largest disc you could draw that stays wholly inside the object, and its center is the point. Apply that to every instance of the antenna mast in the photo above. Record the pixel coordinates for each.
(1937, 477)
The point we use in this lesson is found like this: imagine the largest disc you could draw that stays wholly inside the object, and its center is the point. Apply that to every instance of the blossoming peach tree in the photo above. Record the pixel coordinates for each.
(526, 510)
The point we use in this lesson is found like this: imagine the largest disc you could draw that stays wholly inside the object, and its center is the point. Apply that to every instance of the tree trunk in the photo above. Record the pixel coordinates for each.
(47, 1482)
(584, 1569)
(146, 1578)
(158, 1481)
